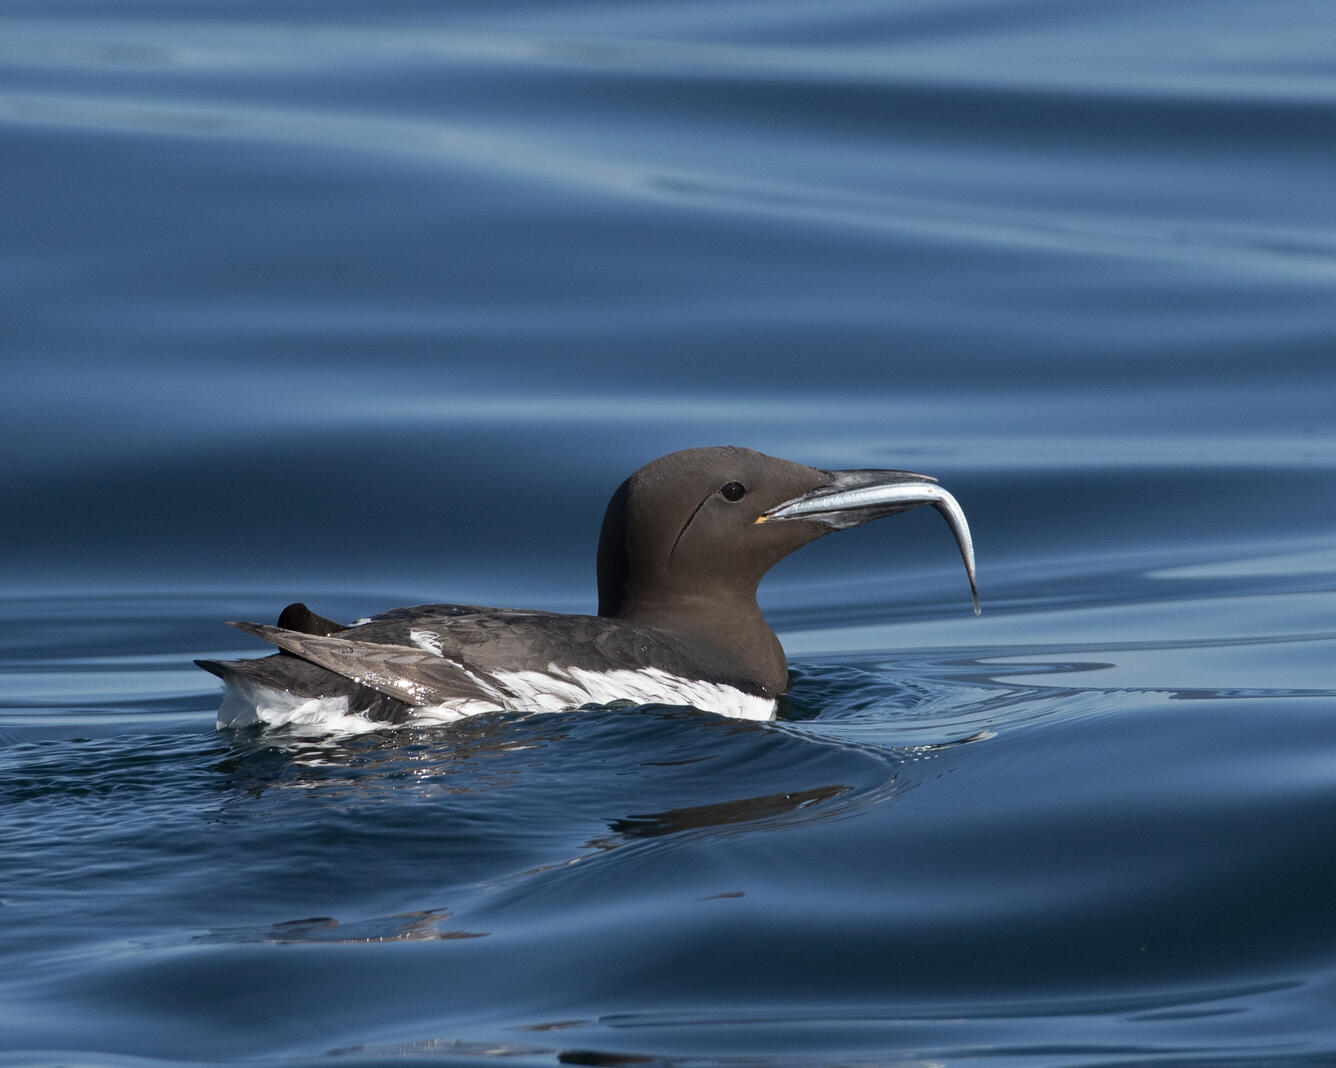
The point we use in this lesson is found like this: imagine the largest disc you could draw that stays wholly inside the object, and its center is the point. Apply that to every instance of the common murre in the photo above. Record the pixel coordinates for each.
(684, 543)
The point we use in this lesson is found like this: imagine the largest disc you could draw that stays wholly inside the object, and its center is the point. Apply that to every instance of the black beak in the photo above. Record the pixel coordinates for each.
(855, 497)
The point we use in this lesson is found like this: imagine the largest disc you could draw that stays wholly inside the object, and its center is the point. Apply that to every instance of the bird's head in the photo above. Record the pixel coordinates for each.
(699, 528)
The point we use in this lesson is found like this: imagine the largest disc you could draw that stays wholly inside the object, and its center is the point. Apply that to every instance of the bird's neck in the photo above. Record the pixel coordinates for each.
(739, 641)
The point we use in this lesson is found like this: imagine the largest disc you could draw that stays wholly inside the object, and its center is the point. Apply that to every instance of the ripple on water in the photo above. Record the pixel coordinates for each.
(1064, 831)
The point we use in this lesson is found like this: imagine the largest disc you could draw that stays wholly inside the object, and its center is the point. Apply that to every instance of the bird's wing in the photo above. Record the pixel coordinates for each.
(404, 672)
(304, 679)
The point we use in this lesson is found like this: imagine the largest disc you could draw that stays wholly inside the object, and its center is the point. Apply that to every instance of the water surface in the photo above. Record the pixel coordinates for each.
(368, 307)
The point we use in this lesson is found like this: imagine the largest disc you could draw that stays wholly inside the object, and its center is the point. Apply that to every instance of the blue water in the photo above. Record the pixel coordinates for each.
(368, 305)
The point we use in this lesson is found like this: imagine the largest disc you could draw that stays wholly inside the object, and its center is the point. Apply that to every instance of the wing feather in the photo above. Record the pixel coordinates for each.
(401, 671)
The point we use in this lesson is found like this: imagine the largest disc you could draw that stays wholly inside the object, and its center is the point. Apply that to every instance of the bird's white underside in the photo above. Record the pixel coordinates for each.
(247, 703)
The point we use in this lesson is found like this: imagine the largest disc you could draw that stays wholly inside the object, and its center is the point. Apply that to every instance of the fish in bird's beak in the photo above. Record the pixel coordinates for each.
(855, 497)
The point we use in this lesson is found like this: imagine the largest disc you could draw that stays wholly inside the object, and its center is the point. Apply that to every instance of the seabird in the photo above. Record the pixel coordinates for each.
(684, 543)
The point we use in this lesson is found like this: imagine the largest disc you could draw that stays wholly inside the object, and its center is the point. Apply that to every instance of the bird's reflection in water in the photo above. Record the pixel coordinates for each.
(742, 810)
(423, 926)
(465, 757)
(489, 806)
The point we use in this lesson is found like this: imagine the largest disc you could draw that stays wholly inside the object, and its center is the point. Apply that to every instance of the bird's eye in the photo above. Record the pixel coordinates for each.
(733, 491)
